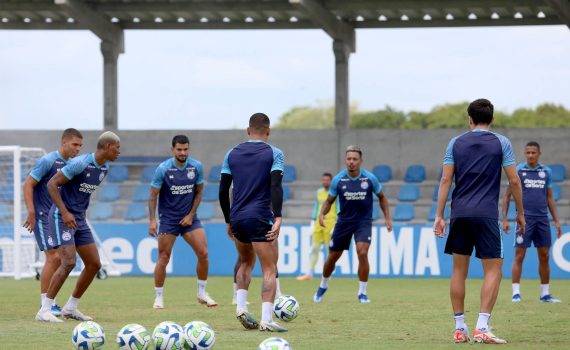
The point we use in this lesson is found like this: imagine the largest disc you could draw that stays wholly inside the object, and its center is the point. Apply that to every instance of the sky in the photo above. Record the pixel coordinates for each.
(216, 79)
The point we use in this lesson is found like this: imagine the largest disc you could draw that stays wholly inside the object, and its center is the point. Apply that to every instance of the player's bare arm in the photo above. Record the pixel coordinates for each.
(325, 209)
(443, 192)
(53, 189)
(29, 185)
(189, 218)
(385, 207)
(152, 202)
(505, 210)
(554, 212)
(516, 191)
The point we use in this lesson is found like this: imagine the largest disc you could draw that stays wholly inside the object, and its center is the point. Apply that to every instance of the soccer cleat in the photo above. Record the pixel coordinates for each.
(304, 278)
(516, 298)
(75, 315)
(271, 327)
(56, 310)
(486, 337)
(461, 336)
(549, 299)
(205, 299)
(47, 316)
(158, 303)
(363, 299)
(318, 297)
(247, 320)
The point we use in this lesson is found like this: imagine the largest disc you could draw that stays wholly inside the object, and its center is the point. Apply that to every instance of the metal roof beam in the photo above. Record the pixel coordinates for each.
(334, 27)
(562, 8)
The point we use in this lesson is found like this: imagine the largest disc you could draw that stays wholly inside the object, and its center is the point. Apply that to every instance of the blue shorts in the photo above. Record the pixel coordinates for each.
(44, 234)
(483, 234)
(251, 230)
(177, 229)
(537, 231)
(344, 231)
(79, 236)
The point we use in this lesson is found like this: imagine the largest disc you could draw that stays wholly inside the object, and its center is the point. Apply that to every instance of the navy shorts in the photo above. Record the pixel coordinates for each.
(537, 231)
(251, 230)
(44, 234)
(79, 236)
(177, 229)
(467, 233)
(344, 231)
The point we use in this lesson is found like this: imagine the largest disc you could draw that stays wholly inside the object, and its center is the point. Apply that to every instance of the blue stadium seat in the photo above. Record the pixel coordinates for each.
(375, 211)
(512, 212)
(109, 193)
(433, 209)
(211, 192)
(141, 193)
(101, 211)
(409, 193)
(215, 173)
(436, 192)
(5, 212)
(136, 211)
(404, 212)
(286, 192)
(290, 173)
(383, 172)
(415, 173)
(556, 191)
(558, 172)
(6, 193)
(206, 211)
(118, 173)
(147, 173)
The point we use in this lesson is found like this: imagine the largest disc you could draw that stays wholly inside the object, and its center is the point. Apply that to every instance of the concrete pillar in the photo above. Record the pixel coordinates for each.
(342, 103)
(110, 53)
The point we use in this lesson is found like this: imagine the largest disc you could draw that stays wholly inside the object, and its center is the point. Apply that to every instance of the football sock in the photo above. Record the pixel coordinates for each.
(42, 297)
(71, 304)
(46, 304)
(544, 289)
(483, 321)
(460, 321)
(201, 287)
(325, 282)
(362, 287)
(516, 288)
(266, 312)
(158, 291)
(241, 299)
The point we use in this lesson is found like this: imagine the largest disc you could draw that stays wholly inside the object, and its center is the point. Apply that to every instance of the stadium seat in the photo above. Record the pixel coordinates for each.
(556, 191)
(404, 212)
(415, 173)
(286, 192)
(136, 211)
(101, 211)
(5, 212)
(118, 173)
(211, 192)
(375, 211)
(409, 193)
(141, 193)
(290, 173)
(109, 192)
(558, 172)
(215, 173)
(383, 172)
(7, 193)
(512, 212)
(147, 173)
(206, 211)
(433, 209)
(436, 192)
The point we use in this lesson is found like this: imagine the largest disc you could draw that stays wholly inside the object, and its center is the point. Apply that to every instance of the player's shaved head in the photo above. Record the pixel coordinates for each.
(69, 133)
(259, 122)
(106, 138)
(481, 111)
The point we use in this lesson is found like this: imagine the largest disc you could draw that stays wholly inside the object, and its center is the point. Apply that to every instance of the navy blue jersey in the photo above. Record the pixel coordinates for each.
(85, 176)
(44, 169)
(177, 188)
(355, 195)
(478, 157)
(535, 184)
(250, 164)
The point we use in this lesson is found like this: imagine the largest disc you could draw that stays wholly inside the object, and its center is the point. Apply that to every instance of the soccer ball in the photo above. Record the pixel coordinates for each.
(134, 337)
(274, 343)
(88, 336)
(199, 335)
(168, 336)
(286, 308)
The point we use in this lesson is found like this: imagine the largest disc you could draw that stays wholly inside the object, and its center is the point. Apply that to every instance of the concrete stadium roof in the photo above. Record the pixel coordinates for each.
(285, 14)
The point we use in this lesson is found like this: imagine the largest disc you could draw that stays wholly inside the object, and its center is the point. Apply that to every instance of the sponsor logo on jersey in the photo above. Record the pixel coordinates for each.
(171, 177)
(88, 175)
(524, 174)
(66, 236)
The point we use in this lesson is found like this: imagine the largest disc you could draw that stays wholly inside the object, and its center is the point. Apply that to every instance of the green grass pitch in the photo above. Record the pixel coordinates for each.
(404, 314)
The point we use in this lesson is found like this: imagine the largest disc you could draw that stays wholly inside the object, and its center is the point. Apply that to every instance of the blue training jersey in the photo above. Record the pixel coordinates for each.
(44, 169)
(250, 164)
(478, 157)
(535, 184)
(85, 176)
(355, 195)
(177, 188)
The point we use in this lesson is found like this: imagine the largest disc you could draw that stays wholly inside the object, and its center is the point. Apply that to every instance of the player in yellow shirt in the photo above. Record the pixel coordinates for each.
(321, 235)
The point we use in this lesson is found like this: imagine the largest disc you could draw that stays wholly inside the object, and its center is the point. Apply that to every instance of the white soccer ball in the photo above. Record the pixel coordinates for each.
(199, 335)
(134, 337)
(88, 336)
(274, 343)
(286, 308)
(168, 336)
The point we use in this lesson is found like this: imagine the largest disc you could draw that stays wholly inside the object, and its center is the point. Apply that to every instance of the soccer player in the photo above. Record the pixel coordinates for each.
(39, 202)
(475, 159)
(355, 188)
(537, 196)
(254, 218)
(178, 186)
(70, 190)
(321, 235)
